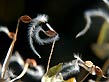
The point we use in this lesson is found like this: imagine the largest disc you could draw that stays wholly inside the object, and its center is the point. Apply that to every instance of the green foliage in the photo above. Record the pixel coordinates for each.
(52, 75)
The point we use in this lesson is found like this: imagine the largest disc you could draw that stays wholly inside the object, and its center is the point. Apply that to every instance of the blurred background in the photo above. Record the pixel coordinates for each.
(65, 16)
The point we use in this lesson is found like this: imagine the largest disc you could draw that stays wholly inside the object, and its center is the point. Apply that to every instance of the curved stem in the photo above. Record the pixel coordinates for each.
(22, 74)
(9, 53)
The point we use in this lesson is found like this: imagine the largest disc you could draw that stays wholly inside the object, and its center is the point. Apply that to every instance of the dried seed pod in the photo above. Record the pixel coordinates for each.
(88, 63)
(50, 33)
(99, 72)
(25, 19)
(11, 35)
(32, 62)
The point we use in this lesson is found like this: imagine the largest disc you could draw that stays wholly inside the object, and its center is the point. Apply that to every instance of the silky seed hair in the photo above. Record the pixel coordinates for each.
(106, 2)
(35, 28)
(4, 29)
(92, 13)
(36, 74)
(46, 40)
(70, 69)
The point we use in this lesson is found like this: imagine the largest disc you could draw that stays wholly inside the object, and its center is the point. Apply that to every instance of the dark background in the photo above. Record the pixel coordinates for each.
(65, 16)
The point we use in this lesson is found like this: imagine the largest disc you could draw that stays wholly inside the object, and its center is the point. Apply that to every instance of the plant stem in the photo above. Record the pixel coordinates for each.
(84, 77)
(105, 66)
(22, 73)
(50, 55)
(9, 53)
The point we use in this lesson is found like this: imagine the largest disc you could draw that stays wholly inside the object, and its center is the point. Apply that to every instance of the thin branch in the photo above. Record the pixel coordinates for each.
(85, 77)
(9, 53)
(28, 62)
(50, 55)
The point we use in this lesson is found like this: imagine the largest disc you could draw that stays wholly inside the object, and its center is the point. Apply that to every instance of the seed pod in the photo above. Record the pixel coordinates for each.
(50, 33)
(88, 63)
(25, 19)
(32, 62)
(11, 35)
(99, 72)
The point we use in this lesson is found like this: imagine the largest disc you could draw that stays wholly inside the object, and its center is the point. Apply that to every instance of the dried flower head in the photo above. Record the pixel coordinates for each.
(89, 66)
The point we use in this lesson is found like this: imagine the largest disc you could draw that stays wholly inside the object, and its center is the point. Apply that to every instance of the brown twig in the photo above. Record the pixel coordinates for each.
(85, 77)
(9, 53)
(105, 66)
(50, 55)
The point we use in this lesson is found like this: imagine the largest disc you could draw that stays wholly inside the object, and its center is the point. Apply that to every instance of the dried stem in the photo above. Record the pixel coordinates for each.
(28, 62)
(50, 55)
(105, 66)
(9, 53)
(85, 77)
(22, 74)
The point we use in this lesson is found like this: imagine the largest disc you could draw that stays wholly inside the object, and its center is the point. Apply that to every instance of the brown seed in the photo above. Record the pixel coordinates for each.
(32, 62)
(99, 72)
(50, 33)
(25, 19)
(11, 35)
